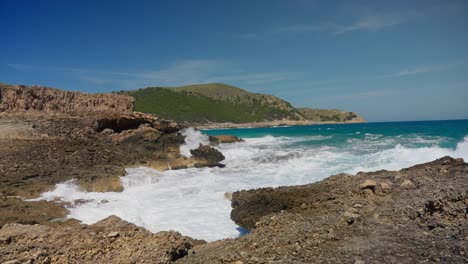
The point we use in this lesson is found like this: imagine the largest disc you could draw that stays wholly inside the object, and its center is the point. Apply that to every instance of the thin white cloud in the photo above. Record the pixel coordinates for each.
(429, 68)
(180, 73)
(186, 72)
(368, 22)
(371, 23)
(413, 71)
(183, 72)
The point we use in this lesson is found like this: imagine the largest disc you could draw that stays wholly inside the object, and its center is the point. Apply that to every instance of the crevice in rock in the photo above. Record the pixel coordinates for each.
(120, 124)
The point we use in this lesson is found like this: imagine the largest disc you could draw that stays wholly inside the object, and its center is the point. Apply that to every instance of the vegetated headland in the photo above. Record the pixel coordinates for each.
(218, 105)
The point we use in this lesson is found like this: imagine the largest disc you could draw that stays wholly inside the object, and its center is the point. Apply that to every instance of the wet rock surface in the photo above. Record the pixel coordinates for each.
(216, 140)
(365, 218)
(208, 155)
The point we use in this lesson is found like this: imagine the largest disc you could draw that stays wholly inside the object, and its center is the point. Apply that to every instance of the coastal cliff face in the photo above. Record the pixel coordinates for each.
(20, 98)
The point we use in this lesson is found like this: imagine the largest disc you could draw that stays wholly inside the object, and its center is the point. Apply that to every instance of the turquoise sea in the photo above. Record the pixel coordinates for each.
(193, 201)
(416, 134)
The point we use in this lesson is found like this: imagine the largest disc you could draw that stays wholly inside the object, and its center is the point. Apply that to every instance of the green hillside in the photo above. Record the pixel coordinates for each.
(192, 104)
(216, 102)
(232, 94)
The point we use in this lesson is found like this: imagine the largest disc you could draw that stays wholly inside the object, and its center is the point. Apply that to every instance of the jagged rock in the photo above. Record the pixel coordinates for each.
(138, 136)
(368, 184)
(209, 154)
(76, 243)
(20, 98)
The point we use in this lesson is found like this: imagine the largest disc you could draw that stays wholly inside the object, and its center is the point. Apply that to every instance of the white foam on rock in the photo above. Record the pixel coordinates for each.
(192, 201)
(193, 139)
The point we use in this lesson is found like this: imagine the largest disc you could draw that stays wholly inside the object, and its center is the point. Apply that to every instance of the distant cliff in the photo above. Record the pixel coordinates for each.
(222, 103)
(330, 115)
(20, 98)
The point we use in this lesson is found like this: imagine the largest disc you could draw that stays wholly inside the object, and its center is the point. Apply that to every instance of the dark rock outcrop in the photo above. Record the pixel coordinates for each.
(216, 140)
(209, 155)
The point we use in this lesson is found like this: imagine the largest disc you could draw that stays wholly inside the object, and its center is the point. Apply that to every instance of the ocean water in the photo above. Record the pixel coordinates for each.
(192, 201)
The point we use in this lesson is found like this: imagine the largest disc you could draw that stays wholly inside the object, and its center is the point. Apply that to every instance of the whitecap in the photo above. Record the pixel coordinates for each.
(192, 201)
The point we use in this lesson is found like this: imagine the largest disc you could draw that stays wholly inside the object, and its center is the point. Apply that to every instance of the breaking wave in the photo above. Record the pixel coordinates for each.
(192, 201)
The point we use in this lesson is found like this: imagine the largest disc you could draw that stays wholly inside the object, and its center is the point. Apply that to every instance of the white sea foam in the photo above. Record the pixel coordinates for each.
(193, 139)
(192, 201)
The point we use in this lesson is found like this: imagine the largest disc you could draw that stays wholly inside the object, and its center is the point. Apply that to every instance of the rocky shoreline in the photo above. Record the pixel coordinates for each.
(46, 139)
(418, 214)
(277, 123)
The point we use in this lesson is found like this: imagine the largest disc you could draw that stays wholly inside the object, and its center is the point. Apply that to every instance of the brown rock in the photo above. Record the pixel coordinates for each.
(20, 98)
(407, 184)
(368, 184)
(385, 186)
(350, 215)
(277, 221)
(225, 139)
(113, 234)
(208, 154)
(78, 243)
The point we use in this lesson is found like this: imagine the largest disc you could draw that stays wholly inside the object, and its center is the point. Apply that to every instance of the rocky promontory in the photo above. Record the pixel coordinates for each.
(49, 136)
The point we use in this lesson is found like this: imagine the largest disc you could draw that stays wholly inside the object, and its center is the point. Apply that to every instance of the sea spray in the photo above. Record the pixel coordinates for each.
(192, 201)
(193, 139)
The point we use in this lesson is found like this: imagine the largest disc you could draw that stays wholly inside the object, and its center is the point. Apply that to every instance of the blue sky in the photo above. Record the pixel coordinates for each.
(386, 60)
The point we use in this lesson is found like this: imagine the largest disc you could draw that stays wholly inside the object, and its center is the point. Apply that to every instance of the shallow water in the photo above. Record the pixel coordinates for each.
(192, 201)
